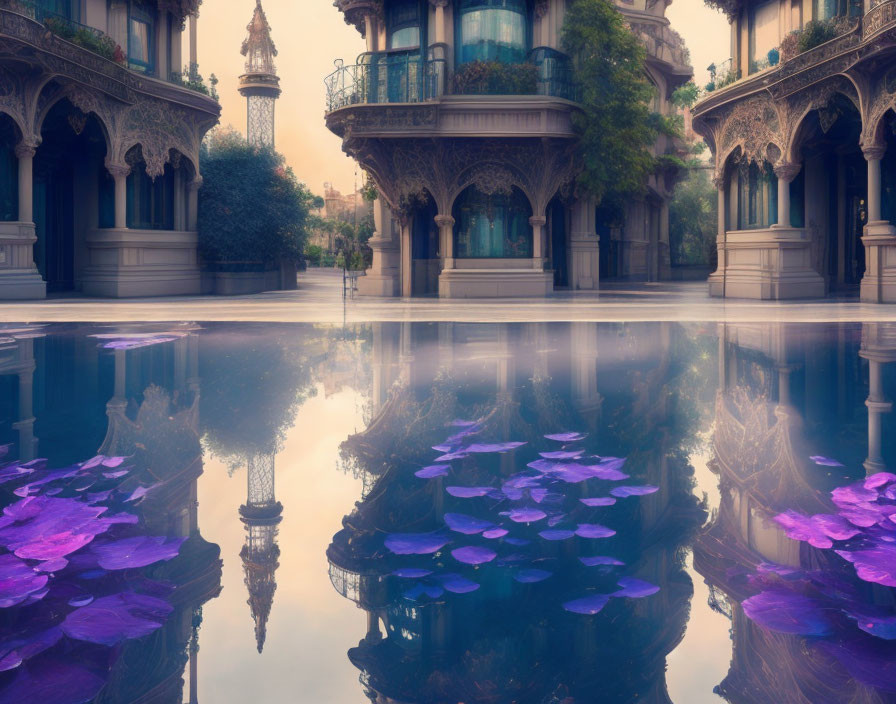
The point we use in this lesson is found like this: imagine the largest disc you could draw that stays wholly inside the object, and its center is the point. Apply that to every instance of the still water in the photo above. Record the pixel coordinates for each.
(446, 513)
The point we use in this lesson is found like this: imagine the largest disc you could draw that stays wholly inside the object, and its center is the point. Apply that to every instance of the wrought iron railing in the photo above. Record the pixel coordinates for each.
(722, 74)
(394, 77)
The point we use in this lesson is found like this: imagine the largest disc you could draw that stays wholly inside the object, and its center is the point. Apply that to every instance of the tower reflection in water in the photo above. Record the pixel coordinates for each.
(152, 419)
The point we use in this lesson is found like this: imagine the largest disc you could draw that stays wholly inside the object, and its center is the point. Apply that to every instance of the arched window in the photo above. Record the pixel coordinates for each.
(403, 24)
(493, 30)
(150, 202)
(757, 197)
(495, 225)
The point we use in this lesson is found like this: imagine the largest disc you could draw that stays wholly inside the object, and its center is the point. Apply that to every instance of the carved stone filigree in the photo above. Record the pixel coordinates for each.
(491, 179)
(787, 170)
(751, 125)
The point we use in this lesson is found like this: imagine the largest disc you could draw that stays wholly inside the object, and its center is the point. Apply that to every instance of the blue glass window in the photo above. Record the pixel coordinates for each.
(150, 202)
(757, 197)
(493, 30)
(403, 24)
(141, 37)
(495, 225)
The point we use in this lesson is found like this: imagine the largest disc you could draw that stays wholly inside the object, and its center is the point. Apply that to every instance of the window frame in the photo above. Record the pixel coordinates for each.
(139, 12)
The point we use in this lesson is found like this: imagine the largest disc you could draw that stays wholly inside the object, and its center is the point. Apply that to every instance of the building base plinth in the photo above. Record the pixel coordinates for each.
(382, 285)
(879, 282)
(139, 263)
(21, 285)
(769, 264)
(585, 265)
(19, 278)
(495, 283)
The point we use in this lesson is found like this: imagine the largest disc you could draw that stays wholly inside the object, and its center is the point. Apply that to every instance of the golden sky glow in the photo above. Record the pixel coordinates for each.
(310, 34)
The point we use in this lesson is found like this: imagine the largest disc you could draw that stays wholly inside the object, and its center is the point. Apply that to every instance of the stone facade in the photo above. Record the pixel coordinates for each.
(816, 127)
(105, 137)
(476, 185)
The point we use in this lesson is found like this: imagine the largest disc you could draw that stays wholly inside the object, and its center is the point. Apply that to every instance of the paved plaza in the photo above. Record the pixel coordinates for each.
(319, 300)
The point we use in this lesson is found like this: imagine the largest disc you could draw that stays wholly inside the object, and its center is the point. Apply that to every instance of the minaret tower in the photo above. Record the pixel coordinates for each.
(260, 84)
(261, 514)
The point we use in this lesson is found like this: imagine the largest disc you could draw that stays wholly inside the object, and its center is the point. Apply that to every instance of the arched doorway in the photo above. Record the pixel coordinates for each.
(70, 183)
(424, 248)
(492, 225)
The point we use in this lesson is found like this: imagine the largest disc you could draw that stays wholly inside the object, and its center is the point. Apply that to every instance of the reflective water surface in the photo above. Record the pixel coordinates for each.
(445, 513)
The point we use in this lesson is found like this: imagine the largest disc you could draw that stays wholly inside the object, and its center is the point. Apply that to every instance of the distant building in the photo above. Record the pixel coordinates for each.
(804, 153)
(351, 208)
(100, 127)
(479, 181)
(260, 84)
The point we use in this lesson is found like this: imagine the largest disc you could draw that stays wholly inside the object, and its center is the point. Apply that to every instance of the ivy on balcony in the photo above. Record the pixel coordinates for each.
(496, 78)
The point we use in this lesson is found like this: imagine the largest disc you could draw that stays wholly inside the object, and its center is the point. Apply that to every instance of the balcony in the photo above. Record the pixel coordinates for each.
(402, 77)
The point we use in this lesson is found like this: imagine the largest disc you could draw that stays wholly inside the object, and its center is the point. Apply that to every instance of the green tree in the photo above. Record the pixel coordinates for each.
(252, 208)
(614, 127)
(692, 220)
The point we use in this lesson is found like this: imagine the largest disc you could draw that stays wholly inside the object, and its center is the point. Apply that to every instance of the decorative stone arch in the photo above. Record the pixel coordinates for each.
(815, 100)
(753, 125)
(490, 178)
(86, 102)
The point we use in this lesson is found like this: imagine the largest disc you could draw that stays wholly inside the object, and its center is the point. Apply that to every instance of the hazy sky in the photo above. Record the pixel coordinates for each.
(310, 34)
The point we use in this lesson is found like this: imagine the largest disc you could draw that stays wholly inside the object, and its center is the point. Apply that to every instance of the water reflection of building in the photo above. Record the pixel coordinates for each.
(500, 643)
(17, 359)
(151, 417)
(260, 514)
(780, 397)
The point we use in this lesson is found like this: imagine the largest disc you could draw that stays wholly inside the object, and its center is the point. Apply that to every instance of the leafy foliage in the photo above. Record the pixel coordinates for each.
(614, 126)
(692, 220)
(815, 33)
(251, 207)
(495, 78)
(685, 96)
(87, 38)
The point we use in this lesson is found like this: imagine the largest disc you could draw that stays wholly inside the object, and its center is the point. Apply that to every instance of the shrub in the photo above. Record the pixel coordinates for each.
(85, 37)
(313, 253)
(495, 78)
(814, 34)
(251, 207)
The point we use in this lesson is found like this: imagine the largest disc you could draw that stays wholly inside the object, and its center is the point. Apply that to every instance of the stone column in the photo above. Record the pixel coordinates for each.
(717, 278)
(193, 204)
(194, 41)
(879, 282)
(383, 276)
(25, 154)
(445, 223)
(120, 174)
(786, 172)
(440, 34)
(584, 246)
(877, 406)
(369, 33)
(24, 426)
(407, 259)
(537, 222)
(541, 12)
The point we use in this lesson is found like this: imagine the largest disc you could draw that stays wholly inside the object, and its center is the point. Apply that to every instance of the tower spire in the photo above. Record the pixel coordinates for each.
(260, 84)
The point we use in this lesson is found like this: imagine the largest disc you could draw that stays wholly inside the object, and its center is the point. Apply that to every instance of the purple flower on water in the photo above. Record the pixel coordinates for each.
(136, 552)
(112, 619)
(625, 491)
(825, 461)
(528, 576)
(556, 534)
(473, 554)
(600, 560)
(594, 530)
(468, 492)
(567, 437)
(588, 605)
(635, 588)
(599, 501)
(788, 612)
(415, 543)
(434, 470)
(469, 525)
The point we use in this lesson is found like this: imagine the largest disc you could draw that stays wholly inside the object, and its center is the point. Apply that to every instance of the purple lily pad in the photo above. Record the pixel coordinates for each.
(52, 682)
(116, 474)
(447, 457)
(788, 612)
(18, 581)
(529, 576)
(468, 492)
(562, 454)
(599, 501)
(609, 469)
(635, 588)
(435, 470)
(625, 491)
(473, 554)
(80, 601)
(133, 343)
(875, 481)
(600, 560)
(877, 624)
(480, 448)
(825, 461)
(538, 495)
(594, 530)
(555, 519)
(112, 619)
(588, 605)
(411, 573)
(456, 584)
(526, 515)
(493, 533)
(15, 649)
(136, 552)
(875, 564)
(567, 437)
(468, 525)
(56, 565)
(415, 543)
(556, 534)
(52, 547)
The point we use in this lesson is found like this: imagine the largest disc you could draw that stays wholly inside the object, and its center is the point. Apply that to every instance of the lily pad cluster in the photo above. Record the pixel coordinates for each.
(71, 557)
(837, 614)
(514, 523)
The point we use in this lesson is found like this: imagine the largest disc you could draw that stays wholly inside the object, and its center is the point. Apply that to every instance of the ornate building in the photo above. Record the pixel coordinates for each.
(261, 514)
(800, 124)
(99, 148)
(461, 112)
(260, 84)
